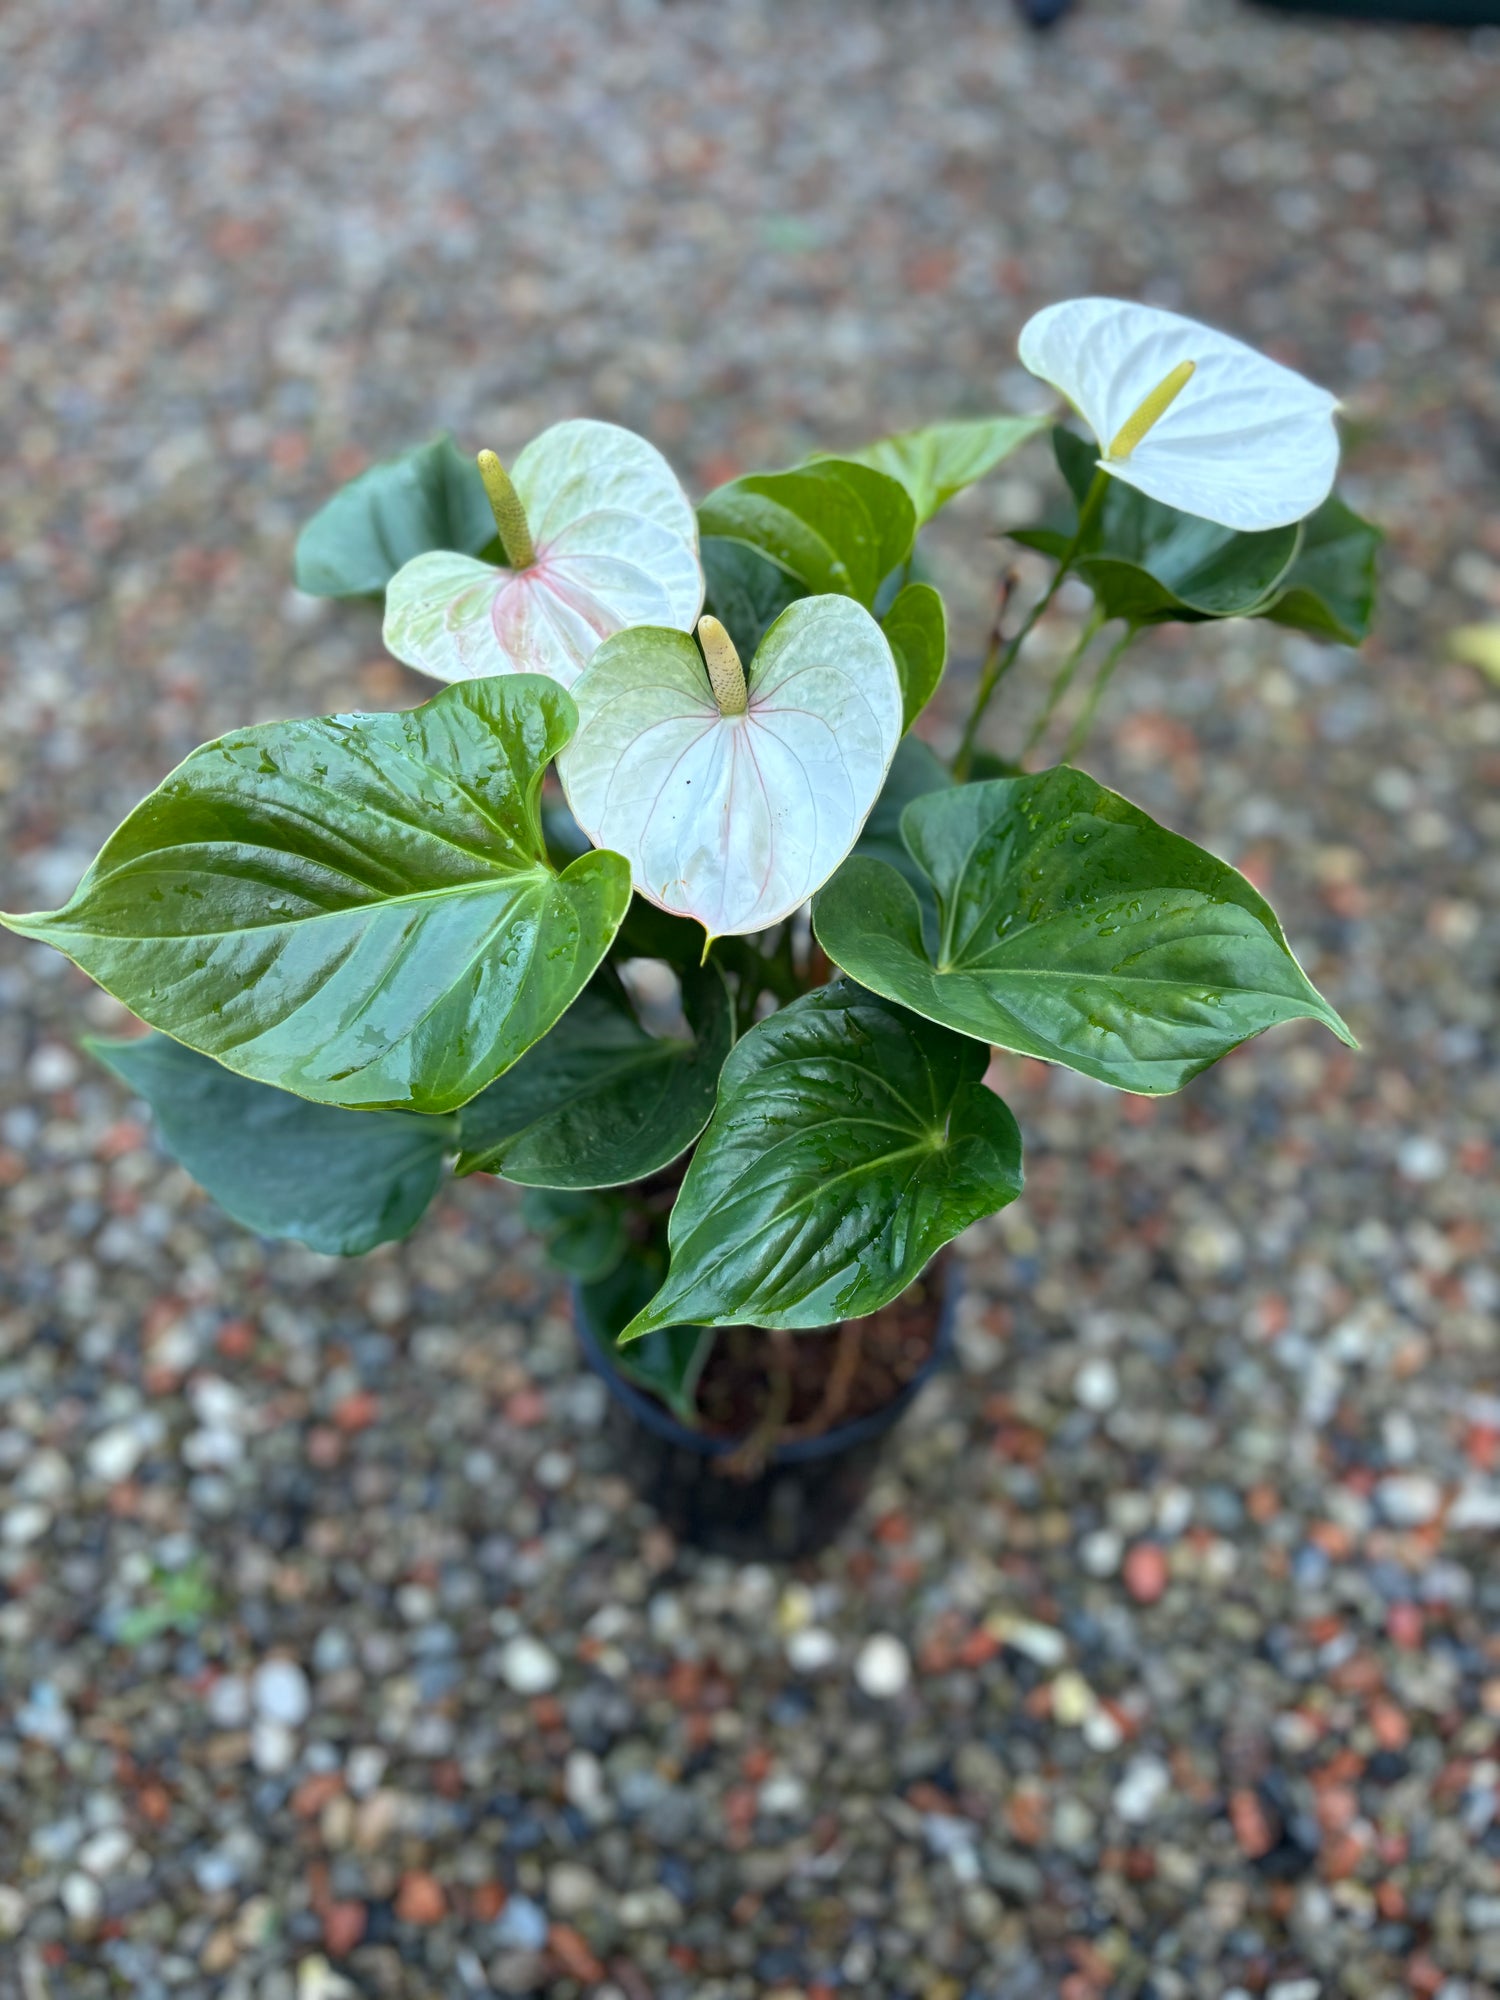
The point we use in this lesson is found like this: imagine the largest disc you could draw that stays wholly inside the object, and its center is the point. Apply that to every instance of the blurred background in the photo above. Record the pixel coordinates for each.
(334, 1657)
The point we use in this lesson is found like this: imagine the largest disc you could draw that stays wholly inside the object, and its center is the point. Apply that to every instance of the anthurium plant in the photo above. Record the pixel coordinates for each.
(658, 907)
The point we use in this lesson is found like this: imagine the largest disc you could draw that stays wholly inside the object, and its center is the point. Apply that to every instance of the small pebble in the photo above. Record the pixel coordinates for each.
(281, 1694)
(811, 1649)
(1409, 1499)
(1097, 1384)
(1145, 1572)
(528, 1666)
(882, 1667)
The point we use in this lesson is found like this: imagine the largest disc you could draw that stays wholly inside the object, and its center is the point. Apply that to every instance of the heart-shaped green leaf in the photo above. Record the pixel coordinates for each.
(358, 909)
(1073, 928)
(745, 591)
(850, 1142)
(669, 1361)
(339, 1181)
(598, 1102)
(935, 463)
(831, 525)
(1330, 589)
(916, 627)
(1149, 564)
(430, 498)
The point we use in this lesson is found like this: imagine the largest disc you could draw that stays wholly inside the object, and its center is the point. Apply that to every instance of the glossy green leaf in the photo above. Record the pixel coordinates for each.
(1149, 564)
(744, 590)
(358, 909)
(850, 1142)
(669, 1361)
(339, 1181)
(583, 1232)
(430, 498)
(916, 627)
(598, 1102)
(1071, 927)
(942, 459)
(833, 526)
(1330, 589)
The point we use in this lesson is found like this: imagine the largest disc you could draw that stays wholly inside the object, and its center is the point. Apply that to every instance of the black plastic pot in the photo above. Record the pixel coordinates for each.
(808, 1490)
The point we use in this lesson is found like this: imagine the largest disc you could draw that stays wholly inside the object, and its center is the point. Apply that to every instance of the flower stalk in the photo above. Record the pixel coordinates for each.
(510, 515)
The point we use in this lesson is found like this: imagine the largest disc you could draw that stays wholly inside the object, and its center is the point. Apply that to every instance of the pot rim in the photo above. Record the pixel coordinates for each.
(843, 1437)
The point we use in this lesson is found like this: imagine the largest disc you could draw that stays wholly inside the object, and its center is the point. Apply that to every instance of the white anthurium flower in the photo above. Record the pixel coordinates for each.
(1187, 415)
(734, 797)
(598, 535)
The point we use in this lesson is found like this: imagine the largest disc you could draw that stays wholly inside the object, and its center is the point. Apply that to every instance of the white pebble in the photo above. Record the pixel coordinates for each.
(784, 1793)
(48, 1476)
(82, 1898)
(272, 1747)
(811, 1650)
(12, 1911)
(1101, 1552)
(25, 1523)
(106, 1852)
(364, 1768)
(1421, 1159)
(882, 1667)
(583, 1782)
(281, 1693)
(1097, 1384)
(228, 1702)
(1477, 1506)
(114, 1454)
(53, 1067)
(528, 1666)
(1294, 1989)
(1145, 1784)
(1409, 1499)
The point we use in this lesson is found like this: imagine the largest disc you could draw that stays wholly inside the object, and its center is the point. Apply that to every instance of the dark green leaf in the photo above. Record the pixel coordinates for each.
(831, 525)
(745, 591)
(599, 1102)
(935, 463)
(358, 909)
(1073, 928)
(339, 1181)
(850, 1142)
(668, 1361)
(916, 769)
(430, 498)
(917, 627)
(1330, 589)
(1150, 564)
(583, 1233)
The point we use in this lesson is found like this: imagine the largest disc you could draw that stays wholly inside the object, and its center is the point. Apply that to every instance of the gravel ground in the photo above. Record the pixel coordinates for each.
(334, 1659)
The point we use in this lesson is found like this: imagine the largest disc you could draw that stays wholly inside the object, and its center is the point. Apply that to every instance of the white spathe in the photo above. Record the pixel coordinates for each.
(616, 543)
(1246, 443)
(734, 820)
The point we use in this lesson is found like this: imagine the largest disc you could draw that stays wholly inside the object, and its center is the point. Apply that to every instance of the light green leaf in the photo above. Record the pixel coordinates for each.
(850, 1142)
(1149, 564)
(935, 463)
(358, 909)
(429, 498)
(917, 628)
(832, 525)
(1073, 928)
(1330, 588)
(598, 1102)
(339, 1181)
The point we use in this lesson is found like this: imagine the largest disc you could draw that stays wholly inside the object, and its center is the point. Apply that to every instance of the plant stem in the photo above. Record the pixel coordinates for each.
(1062, 681)
(999, 660)
(1078, 734)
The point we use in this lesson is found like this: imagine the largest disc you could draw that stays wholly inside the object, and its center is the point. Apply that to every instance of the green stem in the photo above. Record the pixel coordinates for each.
(1078, 734)
(999, 660)
(1062, 681)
